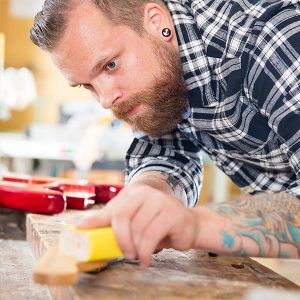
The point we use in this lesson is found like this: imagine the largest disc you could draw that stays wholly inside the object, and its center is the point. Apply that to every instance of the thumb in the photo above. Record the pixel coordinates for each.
(100, 218)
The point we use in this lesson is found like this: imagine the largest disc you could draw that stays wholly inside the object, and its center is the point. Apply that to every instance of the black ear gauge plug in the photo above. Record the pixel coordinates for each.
(166, 32)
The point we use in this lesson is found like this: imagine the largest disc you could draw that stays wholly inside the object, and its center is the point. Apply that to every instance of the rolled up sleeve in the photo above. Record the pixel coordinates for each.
(173, 154)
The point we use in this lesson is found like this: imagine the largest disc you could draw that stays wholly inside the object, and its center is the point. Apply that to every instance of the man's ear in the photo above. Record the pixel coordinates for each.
(156, 20)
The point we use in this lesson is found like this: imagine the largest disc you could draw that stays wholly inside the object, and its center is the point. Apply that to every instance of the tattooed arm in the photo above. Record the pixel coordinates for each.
(263, 226)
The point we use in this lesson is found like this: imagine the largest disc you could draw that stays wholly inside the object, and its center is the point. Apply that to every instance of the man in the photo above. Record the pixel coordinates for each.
(218, 76)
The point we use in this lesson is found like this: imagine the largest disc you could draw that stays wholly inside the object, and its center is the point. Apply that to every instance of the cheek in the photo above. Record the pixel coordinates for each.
(140, 70)
(94, 95)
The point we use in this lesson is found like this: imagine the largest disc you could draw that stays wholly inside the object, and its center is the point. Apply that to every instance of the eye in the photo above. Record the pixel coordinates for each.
(86, 86)
(111, 65)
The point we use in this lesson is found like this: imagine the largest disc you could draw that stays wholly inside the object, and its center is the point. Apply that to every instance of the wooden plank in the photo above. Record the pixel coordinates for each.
(172, 275)
(16, 260)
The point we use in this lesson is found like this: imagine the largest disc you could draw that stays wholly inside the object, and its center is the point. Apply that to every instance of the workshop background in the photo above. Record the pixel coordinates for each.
(48, 128)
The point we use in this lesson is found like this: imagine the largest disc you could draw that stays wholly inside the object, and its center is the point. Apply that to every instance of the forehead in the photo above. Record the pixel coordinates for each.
(85, 25)
(88, 35)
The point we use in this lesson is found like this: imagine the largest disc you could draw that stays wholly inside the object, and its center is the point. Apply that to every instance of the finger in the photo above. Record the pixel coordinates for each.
(143, 217)
(98, 219)
(165, 243)
(152, 236)
(122, 215)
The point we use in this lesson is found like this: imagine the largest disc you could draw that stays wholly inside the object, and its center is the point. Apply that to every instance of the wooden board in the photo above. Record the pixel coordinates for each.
(16, 260)
(172, 275)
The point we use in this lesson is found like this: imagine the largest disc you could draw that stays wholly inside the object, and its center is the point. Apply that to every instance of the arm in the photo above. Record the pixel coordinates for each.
(174, 157)
(160, 181)
(265, 226)
(255, 227)
(146, 219)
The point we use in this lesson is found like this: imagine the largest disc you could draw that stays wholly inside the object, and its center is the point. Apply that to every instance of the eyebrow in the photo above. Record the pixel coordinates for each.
(94, 70)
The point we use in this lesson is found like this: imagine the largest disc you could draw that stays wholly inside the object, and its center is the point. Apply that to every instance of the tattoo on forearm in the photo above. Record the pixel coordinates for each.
(171, 182)
(261, 226)
(175, 186)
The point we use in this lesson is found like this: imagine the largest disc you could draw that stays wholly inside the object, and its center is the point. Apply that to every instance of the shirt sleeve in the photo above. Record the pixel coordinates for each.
(173, 154)
(278, 86)
(284, 119)
(289, 130)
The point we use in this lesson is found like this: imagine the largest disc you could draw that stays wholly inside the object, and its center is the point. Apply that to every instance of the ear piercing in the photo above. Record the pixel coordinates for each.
(166, 32)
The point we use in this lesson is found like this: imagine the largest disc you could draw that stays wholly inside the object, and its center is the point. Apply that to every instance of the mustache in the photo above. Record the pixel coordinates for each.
(160, 92)
(125, 106)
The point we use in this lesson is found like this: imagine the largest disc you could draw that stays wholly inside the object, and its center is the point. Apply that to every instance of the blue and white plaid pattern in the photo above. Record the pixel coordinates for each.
(241, 66)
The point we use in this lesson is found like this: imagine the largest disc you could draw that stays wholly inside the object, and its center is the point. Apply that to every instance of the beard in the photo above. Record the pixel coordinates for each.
(163, 102)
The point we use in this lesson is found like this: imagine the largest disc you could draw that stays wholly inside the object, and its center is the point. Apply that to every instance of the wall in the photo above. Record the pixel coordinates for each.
(19, 51)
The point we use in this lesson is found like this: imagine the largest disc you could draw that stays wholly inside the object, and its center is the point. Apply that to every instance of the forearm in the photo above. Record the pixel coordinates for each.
(255, 227)
(160, 181)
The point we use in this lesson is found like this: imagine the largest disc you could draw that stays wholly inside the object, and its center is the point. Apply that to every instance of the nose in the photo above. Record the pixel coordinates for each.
(106, 94)
(106, 101)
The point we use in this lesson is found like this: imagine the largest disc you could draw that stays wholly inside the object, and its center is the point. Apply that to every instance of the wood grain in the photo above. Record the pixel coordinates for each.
(16, 260)
(54, 268)
(173, 274)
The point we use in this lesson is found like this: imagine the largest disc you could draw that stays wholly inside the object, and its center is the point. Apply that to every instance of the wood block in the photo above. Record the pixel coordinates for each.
(78, 250)
(56, 269)
(173, 274)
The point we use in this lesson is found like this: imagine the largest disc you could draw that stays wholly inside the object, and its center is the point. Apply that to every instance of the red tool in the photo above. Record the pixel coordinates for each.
(49, 196)
(78, 196)
(28, 179)
(105, 192)
(31, 198)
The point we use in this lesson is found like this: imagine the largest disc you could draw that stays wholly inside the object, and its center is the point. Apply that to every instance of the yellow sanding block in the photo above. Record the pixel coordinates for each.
(78, 250)
(89, 244)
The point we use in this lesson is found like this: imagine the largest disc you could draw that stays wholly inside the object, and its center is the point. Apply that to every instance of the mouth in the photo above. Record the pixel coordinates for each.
(133, 111)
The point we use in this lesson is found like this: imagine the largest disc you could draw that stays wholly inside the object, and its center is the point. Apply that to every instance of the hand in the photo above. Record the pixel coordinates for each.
(144, 220)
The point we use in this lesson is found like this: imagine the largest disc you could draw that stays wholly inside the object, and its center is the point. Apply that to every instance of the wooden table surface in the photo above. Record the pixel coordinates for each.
(16, 260)
(173, 275)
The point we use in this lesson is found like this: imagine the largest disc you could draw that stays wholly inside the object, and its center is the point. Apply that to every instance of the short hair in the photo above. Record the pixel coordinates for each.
(50, 23)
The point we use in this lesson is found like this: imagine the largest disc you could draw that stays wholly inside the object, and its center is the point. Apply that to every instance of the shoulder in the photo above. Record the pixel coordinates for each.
(274, 65)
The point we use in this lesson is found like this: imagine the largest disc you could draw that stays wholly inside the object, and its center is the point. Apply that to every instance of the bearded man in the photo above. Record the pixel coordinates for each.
(189, 76)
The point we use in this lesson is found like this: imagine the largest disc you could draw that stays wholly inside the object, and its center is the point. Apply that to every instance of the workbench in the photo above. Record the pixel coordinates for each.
(16, 260)
(173, 274)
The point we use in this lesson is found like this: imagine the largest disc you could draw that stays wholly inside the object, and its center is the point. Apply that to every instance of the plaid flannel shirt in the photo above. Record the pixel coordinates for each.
(241, 66)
